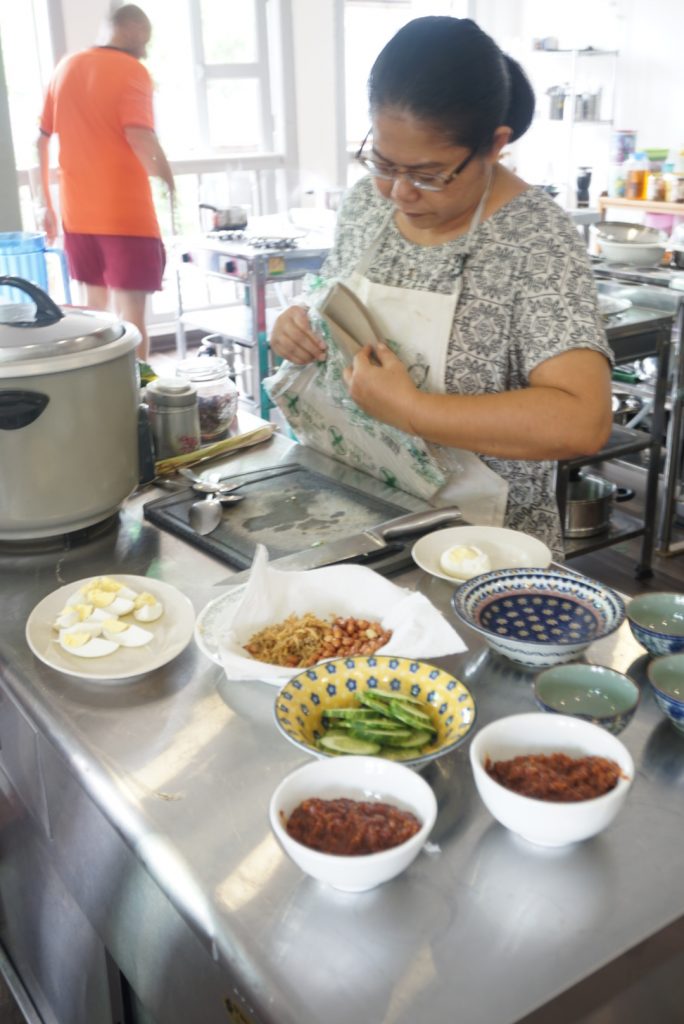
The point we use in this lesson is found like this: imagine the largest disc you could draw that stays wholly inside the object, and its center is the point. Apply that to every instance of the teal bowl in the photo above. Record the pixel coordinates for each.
(666, 676)
(593, 693)
(657, 622)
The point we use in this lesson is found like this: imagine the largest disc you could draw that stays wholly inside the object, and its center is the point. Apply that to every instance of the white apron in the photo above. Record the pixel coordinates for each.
(417, 324)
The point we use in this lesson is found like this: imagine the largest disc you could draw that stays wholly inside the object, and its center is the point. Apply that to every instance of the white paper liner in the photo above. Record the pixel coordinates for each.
(419, 630)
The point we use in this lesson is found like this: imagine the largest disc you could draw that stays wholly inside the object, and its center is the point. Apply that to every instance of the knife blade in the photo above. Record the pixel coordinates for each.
(373, 539)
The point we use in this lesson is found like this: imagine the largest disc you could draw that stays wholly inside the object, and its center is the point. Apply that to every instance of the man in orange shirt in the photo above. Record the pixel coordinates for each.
(99, 103)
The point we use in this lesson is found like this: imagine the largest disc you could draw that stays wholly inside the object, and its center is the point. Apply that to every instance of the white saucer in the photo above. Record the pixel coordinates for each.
(507, 549)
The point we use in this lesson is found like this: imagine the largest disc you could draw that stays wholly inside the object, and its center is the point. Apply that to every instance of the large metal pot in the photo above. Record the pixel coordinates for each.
(68, 416)
(589, 503)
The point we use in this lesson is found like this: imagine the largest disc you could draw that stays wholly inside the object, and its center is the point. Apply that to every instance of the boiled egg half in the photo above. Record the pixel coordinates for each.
(84, 645)
(126, 634)
(464, 561)
(147, 608)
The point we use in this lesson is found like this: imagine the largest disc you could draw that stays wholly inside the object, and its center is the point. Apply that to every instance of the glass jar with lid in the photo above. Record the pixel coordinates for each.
(174, 416)
(217, 395)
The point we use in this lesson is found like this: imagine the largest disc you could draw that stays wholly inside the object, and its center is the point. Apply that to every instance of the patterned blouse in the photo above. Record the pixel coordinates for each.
(528, 294)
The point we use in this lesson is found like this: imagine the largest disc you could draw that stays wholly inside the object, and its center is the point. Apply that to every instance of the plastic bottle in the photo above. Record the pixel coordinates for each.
(617, 181)
(636, 166)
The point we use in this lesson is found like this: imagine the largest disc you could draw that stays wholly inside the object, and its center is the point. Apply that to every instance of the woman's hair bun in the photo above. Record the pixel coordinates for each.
(520, 111)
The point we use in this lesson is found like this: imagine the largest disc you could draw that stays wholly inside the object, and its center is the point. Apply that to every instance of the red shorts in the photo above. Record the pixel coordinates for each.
(126, 262)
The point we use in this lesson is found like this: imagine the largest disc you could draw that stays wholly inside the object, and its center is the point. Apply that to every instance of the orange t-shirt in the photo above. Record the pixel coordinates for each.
(92, 98)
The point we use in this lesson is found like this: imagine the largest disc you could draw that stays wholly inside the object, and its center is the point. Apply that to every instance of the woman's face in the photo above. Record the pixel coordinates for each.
(401, 141)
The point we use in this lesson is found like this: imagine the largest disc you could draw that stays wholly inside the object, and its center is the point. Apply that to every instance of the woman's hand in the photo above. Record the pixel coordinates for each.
(293, 339)
(381, 385)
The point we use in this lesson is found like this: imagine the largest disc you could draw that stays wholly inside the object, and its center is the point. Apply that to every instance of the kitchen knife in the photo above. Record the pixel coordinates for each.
(373, 539)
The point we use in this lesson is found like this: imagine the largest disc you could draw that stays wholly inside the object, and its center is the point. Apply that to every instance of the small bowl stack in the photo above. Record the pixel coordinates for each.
(592, 693)
(538, 617)
(666, 676)
(657, 622)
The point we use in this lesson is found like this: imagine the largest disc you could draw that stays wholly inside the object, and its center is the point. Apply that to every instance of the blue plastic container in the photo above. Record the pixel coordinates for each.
(24, 254)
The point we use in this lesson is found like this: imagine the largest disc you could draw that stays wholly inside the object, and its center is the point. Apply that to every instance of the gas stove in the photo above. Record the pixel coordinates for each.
(662, 277)
(255, 241)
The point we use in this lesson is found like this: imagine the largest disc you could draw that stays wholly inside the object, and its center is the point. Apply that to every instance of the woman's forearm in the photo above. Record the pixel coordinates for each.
(534, 423)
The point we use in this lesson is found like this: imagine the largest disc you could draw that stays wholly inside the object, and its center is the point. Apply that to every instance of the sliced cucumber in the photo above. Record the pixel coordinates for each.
(343, 743)
(410, 716)
(371, 700)
(356, 714)
(417, 738)
(383, 736)
(402, 697)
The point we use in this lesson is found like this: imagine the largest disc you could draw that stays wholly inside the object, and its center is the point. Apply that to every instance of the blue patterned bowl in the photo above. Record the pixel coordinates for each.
(303, 701)
(593, 693)
(666, 676)
(538, 617)
(657, 622)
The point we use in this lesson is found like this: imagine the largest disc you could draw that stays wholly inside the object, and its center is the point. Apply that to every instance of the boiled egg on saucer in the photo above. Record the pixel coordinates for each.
(146, 608)
(84, 645)
(464, 561)
(128, 635)
(72, 615)
(110, 601)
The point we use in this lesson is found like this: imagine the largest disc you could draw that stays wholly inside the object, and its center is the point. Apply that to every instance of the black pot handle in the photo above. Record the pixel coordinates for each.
(20, 408)
(624, 494)
(47, 311)
(208, 206)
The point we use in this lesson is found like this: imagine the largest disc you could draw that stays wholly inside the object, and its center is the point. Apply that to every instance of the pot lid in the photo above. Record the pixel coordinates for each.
(39, 329)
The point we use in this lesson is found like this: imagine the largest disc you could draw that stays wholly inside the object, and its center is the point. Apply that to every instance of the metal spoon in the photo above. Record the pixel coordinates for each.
(206, 515)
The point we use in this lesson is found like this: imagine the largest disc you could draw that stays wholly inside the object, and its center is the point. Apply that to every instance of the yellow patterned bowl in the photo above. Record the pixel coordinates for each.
(303, 701)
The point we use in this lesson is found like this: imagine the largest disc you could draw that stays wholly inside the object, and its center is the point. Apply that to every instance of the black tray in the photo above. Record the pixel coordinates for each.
(287, 512)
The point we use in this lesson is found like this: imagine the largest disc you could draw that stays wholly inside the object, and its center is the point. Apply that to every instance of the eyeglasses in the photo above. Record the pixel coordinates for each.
(424, 182)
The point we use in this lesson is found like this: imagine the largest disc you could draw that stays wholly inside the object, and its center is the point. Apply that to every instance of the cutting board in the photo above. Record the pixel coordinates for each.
(286, 512)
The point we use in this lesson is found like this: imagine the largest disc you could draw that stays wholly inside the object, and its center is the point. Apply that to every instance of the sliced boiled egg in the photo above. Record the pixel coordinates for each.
(85, 645)
(110, 601)
(125, 634)
(88, 626)
(147, 608)
(464, 561)
(71, 614)
(113, 587)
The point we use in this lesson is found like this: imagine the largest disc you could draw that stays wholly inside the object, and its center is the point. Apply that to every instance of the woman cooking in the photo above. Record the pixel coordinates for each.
(478, 281)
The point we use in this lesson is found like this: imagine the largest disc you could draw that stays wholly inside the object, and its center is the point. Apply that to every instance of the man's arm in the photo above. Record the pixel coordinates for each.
(145, 145)
(47, 218)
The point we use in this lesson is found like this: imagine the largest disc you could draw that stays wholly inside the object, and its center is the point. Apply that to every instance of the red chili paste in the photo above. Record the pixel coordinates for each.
(350, 827)
(556, 777)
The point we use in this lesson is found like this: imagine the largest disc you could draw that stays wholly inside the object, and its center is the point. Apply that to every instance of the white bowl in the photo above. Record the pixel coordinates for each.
(507, 549)
(636, 254)
(358, 778)
(545, 822)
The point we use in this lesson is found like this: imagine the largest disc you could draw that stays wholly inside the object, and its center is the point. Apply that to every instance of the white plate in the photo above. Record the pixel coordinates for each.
(507, 549)
(171, 633)
(609, 305)
(215, 620)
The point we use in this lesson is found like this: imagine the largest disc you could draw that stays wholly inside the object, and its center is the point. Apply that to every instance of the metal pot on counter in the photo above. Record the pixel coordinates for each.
(234, 218)
(68, 415)
(589, 503)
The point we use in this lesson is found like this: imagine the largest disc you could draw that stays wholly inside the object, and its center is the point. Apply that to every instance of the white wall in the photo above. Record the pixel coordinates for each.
(83, 21)
(648, 95)
(320, 108)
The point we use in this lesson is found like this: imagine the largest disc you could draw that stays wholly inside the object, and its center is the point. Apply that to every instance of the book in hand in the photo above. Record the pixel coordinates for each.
(351, 325)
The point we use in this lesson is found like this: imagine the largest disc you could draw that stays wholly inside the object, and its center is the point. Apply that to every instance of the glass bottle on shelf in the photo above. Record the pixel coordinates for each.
(217, 395)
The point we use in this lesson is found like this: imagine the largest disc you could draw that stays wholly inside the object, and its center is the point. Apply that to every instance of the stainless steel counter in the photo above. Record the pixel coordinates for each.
(134, 838)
